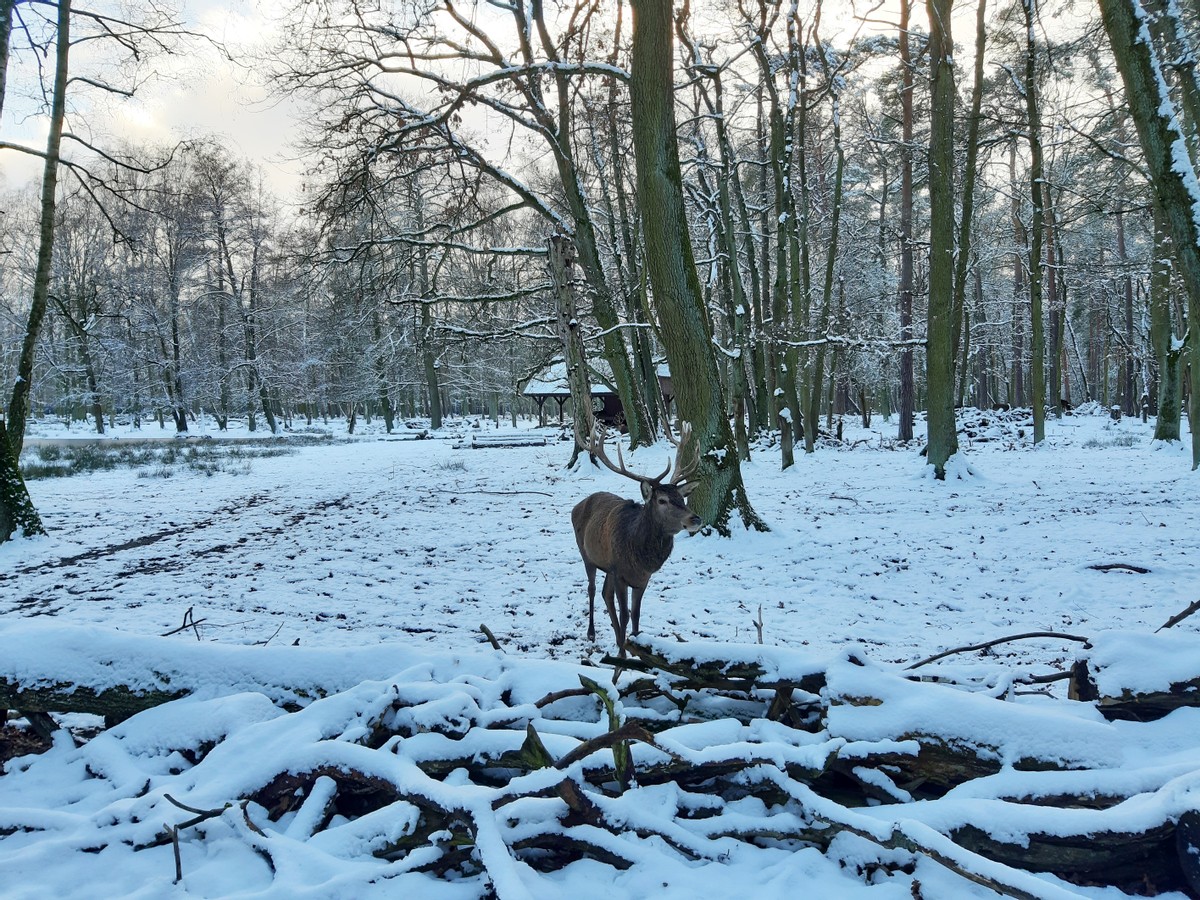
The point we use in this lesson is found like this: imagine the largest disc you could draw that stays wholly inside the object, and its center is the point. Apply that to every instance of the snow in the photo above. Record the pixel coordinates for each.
(1143, 663)
(344, 585)
(1008, 733)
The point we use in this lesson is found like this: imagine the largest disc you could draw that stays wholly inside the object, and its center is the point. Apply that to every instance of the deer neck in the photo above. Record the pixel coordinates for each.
(654, 543)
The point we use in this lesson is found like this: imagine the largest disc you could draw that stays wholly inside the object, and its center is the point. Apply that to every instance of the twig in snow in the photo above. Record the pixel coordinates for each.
(206, 813)
(1049, 678)
(487, 633)
(1124, 567)
(1179, 617)
(628, 731)
(1004, 640)
(250, 824)
(758, 623)
(555, 696)
(170, 833)
(271, 638)
(189, 621)
(173, 832)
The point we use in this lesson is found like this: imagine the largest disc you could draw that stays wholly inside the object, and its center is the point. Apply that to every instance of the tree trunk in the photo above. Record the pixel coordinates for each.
(1126, 373)
(579, 380)
(727, 177)
(1016, 394)
(559, 127)
(6, 18)
(907, 399)
(16, 507)
(812, 414)
(224, 400)
(1055, 305)
(1163, 146)
(18, 407)
(428, 358)
(939, 354)
(1037, 337)
(959, 315)
(429, 362)
(686, 331)
(1167, 352)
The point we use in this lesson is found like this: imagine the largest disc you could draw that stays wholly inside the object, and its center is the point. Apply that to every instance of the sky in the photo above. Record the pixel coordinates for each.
(197, 94)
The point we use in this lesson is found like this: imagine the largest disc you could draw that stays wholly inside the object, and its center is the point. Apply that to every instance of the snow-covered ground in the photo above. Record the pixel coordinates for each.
(375, 540)
(373, 548)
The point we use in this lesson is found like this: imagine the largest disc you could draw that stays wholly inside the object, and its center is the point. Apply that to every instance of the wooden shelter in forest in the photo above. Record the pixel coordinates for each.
(551, 384)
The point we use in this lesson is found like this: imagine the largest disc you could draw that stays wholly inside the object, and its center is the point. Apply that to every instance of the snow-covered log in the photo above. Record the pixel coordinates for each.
(515, 777)
(1140, 677)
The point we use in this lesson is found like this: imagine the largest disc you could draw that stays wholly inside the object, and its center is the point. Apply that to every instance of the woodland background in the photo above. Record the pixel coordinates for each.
(875, 227)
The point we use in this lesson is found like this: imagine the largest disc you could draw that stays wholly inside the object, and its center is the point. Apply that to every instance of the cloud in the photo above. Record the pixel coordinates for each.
(193, 94)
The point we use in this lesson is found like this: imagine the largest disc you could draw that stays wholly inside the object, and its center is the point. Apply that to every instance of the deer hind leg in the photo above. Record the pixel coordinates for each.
(591, 577)
(622, 628)
(637, 608)
(610, 603)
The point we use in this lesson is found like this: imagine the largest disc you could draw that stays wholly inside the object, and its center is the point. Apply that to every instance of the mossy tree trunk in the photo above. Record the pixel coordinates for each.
(939, 354)
(683, 318)
(16, 508)
(18, 406)
(1167, 163)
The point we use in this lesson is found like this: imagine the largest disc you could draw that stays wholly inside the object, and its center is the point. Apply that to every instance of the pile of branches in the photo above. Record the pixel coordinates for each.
(677, 746)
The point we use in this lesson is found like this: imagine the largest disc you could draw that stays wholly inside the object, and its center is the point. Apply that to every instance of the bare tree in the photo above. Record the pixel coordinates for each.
(907, 388)
(530, 80)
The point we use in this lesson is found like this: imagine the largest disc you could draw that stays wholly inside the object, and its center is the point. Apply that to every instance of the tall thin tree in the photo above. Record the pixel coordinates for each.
(939, 352)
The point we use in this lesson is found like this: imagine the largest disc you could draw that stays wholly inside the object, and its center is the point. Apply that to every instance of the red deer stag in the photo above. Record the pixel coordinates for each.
(630, 541)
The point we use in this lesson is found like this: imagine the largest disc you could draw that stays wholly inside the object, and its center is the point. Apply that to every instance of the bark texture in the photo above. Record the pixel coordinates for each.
(685, 327)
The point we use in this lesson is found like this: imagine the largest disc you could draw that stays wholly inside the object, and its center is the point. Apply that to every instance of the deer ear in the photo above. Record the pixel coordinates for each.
(647, 490)
(687, 487)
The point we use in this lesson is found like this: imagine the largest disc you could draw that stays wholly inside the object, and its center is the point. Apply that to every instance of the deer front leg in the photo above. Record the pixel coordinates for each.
(591, 577)
(637, 608)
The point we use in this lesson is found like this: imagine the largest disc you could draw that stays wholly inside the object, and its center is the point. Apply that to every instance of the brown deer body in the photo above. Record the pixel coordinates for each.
(630, 541)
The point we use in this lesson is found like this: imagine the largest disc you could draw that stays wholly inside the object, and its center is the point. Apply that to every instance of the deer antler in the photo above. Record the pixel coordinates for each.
(687, 455)
(596, 448)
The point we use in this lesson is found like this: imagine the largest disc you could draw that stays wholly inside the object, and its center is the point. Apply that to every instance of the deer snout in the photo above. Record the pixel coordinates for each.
(693, 524)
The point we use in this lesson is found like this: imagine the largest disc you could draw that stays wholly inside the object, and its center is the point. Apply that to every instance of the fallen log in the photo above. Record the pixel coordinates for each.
(1138, 678)
(684, 662)
(1129, 861)
(115, 704)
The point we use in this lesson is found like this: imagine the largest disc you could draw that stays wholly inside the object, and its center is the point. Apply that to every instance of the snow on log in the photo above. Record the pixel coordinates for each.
(707, 767)
(1140, 677)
